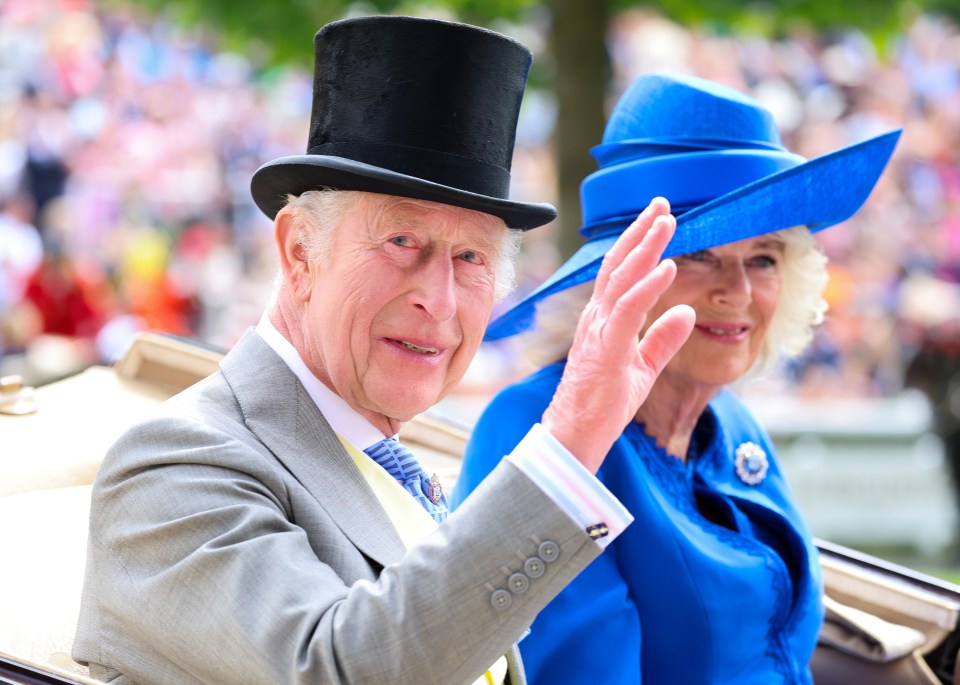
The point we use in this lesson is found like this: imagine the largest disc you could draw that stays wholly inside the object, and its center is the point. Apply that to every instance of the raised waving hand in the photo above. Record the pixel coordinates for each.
(610, 368)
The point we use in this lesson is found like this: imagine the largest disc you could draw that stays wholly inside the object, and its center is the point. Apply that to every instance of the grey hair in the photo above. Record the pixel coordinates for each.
(316, 214)
(800, 308)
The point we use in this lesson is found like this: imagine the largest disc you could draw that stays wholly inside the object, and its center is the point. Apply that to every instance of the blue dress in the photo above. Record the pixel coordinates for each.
(716, 581)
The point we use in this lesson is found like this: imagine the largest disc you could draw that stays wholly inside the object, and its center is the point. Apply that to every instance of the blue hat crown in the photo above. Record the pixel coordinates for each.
(659, 107)
(682, 138)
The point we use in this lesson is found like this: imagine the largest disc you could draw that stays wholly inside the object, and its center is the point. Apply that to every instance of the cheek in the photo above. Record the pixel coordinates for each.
(767, 298)
(350, 310)
(472, 327)
(475, 299)
(474, 281)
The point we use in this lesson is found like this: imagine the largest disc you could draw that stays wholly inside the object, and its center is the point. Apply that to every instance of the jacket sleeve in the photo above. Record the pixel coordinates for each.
(580, 633)
(590, 631)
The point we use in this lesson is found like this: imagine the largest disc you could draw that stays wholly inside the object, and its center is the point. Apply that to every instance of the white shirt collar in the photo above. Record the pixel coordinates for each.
(343, 418)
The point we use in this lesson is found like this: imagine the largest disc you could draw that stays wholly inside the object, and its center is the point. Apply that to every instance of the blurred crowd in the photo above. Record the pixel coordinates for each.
(127, 144)
(126, 150)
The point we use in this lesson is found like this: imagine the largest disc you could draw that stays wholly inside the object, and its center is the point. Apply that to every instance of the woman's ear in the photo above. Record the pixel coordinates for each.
(294, 263)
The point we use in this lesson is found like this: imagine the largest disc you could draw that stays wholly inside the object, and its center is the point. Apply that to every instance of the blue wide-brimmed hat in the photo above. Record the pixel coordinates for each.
(716, 156)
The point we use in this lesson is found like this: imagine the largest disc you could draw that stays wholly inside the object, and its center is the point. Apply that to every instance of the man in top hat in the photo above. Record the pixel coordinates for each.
(264, 527)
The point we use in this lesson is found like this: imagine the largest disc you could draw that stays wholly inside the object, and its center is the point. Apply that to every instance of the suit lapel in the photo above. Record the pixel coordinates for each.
(278, 409)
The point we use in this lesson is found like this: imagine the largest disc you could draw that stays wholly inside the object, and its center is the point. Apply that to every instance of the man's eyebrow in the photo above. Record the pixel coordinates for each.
(488, 239)
(403, 220)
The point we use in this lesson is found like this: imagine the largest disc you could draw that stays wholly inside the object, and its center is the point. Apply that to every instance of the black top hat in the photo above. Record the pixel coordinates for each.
(413, 107)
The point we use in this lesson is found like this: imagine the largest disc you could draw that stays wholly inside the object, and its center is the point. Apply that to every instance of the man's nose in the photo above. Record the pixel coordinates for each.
(434, 287)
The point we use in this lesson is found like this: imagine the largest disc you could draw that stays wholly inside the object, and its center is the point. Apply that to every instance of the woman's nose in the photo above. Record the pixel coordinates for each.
(734, 285)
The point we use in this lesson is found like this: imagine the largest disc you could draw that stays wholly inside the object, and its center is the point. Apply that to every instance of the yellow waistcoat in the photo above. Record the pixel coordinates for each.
(412, 522)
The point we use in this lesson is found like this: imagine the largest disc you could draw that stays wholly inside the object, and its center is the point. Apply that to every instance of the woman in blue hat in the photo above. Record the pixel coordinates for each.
(717, 580)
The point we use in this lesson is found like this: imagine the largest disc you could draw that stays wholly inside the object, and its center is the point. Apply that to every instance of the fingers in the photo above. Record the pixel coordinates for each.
(641, 244)
(628, 312)
(665, 337)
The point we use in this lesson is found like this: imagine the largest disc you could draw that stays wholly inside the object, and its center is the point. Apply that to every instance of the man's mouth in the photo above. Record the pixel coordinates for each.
(416, 348)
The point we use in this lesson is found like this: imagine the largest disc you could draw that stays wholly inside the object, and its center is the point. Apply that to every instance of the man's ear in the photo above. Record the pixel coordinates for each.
(293, 257)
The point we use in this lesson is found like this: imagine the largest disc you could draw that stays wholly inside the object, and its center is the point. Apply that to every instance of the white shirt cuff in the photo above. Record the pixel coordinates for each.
(570, 485)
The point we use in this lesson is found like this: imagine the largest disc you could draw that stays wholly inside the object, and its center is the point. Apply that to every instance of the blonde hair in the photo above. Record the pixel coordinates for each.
(317, 213)
(800, 308)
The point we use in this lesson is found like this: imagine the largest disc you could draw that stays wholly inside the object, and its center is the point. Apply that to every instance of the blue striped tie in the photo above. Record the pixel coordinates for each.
(400, 463)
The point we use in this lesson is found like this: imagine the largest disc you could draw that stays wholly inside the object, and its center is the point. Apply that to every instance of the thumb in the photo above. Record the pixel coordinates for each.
(666, 336)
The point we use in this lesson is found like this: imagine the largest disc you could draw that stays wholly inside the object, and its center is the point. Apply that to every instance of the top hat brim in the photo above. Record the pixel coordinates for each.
(819, 193)
(275, 180)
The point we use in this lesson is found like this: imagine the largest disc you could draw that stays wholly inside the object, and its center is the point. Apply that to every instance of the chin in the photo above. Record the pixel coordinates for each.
(720, 369)
(718, 376)
(406, 407)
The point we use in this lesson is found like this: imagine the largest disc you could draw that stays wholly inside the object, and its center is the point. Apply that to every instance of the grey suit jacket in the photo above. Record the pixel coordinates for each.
(233, 540)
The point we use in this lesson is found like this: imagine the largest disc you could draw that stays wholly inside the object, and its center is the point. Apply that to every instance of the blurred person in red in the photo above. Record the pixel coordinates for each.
(21, 251)
(69, 297)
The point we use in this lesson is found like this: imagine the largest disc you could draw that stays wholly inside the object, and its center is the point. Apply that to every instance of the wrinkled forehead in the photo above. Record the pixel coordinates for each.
(391, 212)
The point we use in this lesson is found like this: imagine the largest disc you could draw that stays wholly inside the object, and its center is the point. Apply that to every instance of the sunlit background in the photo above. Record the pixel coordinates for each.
(128, 137)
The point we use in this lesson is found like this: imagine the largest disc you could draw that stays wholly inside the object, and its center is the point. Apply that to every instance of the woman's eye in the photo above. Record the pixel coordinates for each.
(471, 257)
(765, 261)
(698, 256)
(401, 241)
